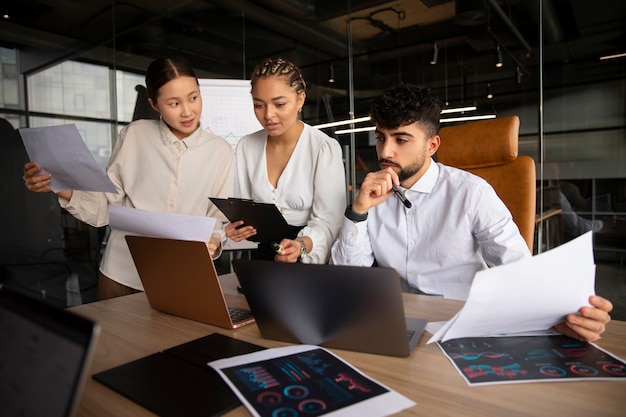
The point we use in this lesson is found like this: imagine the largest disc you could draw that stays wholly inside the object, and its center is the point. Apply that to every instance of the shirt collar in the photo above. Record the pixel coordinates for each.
(169, 138)
(428, 180)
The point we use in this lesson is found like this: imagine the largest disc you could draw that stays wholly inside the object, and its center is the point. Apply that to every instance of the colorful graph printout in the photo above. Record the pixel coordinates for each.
(306, 381)
(497, 360)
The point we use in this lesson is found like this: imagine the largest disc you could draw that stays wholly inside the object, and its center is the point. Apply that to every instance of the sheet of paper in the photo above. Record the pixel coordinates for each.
(243, 245)
(508, 360)
(305, 380)
(526, 296)
(62, 152)
(162, 225)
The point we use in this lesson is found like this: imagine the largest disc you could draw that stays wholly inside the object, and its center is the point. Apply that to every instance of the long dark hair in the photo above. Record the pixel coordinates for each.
(163, 70)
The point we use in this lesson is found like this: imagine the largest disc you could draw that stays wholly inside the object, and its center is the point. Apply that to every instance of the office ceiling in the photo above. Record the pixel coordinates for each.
(389, 40)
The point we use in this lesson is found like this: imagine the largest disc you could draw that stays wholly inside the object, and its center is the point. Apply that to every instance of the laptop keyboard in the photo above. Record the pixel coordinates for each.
(239, 314)
(410, 334)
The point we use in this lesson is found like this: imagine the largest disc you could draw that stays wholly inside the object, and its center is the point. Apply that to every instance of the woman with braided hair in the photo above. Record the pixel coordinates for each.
(292, 165)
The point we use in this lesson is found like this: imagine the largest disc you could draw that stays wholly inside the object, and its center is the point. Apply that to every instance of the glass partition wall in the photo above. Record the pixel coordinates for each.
(499, 57)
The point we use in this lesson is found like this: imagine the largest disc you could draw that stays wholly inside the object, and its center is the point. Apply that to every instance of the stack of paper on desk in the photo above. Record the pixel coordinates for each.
(526, 296)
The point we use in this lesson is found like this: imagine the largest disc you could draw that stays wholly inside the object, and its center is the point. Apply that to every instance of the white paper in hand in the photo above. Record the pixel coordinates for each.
(62, 152)
(161, 225)
(531, 295)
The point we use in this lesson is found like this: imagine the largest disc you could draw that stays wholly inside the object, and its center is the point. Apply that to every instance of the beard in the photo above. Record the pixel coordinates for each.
(407, 171)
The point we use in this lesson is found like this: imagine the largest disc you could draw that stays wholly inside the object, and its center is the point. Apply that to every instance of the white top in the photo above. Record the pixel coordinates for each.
(310, 192)
(151, 173)
(456, 227)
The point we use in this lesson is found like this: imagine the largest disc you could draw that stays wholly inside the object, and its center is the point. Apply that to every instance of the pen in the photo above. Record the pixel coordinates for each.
(279, 249)
(400, 194)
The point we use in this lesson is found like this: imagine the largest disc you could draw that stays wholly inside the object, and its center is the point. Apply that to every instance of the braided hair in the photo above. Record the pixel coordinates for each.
(280, 67)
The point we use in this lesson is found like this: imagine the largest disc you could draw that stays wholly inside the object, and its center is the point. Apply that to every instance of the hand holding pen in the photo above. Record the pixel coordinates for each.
(377, 187)
(400, 194)
(287, 250)
(277, 248)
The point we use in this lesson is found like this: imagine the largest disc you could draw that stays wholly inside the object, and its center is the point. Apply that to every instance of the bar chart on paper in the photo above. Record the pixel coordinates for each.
(227, 109)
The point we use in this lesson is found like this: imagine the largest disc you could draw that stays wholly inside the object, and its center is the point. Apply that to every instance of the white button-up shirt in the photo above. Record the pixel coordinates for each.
(155, 171)
(456, 227)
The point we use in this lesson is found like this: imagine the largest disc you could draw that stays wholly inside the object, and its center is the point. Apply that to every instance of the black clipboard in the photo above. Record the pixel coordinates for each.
(270, 225)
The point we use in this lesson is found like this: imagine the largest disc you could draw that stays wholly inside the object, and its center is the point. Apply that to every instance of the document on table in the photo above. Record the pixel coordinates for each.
(531, 295)
(508, 360)
(161, 225)
(305, 380)
(62, 152)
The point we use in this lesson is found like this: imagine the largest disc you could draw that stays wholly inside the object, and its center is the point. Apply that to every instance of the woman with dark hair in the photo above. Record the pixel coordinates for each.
(292, 165)
(169, 165)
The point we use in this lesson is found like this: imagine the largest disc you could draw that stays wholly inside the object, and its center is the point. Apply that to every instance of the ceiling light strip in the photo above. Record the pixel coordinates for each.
(343, 122)
(356, 130)
(458, 109)
(604, 58)
(467, 118)
(446, 120)
(367, 118)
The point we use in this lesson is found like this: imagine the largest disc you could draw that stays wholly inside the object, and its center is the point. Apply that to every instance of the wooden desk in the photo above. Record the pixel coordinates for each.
(131, 330)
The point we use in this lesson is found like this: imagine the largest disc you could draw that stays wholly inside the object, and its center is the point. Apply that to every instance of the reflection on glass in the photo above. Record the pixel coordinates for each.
(71, 88)
(126, 94)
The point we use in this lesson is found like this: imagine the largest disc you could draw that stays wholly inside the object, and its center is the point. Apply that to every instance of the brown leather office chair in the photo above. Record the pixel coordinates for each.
(488, 148)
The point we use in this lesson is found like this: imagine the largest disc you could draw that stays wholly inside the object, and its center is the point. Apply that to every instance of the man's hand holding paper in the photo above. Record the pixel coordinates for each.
(534, 295)
(589, 322)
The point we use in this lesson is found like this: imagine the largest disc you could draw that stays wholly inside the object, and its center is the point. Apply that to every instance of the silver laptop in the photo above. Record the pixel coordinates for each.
(342, 307)
(45, 356)
(179, 278)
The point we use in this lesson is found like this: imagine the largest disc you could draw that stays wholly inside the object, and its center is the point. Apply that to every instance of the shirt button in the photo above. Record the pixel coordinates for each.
(352, 234)
(411, 242)
(412, 272)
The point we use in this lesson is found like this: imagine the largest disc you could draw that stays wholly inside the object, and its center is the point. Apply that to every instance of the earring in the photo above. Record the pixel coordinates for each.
(300, 110)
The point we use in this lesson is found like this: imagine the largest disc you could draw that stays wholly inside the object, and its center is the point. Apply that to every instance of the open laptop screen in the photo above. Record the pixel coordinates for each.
(45, 354)
(343, 307)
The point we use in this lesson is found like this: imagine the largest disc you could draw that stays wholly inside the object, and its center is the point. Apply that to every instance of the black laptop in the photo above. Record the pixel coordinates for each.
(45, 356)
(344, 307)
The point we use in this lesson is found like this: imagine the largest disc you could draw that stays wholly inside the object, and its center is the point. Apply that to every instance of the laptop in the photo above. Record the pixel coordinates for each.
(343, 307)
(46, 353)
(179, 278)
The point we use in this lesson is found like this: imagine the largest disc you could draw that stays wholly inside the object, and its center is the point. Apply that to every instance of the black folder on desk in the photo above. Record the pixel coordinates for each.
(178, 381)
(270, 225)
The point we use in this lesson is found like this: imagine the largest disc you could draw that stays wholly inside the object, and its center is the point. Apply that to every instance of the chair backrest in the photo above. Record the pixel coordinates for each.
(488, 148)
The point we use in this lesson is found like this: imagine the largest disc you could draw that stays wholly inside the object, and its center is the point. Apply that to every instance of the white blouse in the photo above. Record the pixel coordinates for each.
(150, 172)
(310, 192)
